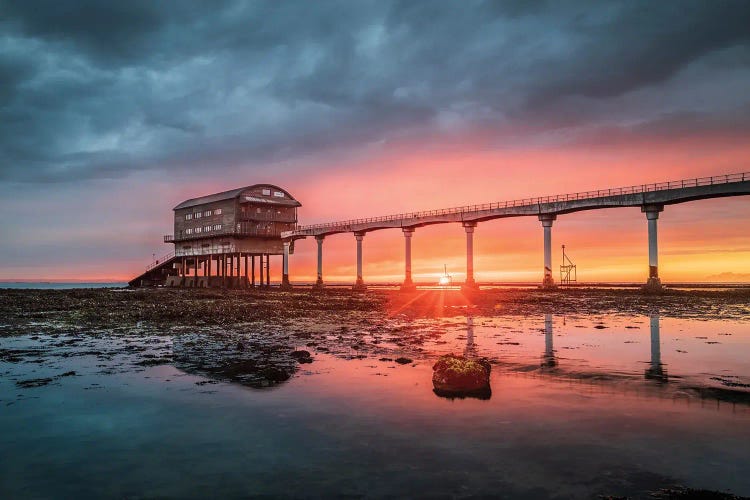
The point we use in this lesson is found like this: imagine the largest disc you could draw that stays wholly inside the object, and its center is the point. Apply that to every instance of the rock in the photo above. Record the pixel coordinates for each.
(273, 374)
(457, 376)
(302, 356)
(403, 361)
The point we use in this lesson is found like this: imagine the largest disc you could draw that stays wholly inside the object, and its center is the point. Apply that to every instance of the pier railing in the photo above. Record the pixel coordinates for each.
(161, 260)
(583, 195)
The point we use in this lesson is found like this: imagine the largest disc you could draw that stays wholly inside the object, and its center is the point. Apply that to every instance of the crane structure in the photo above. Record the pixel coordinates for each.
(567, 269)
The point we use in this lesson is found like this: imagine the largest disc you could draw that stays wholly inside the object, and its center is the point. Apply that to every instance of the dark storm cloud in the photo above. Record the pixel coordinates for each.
(100, 89)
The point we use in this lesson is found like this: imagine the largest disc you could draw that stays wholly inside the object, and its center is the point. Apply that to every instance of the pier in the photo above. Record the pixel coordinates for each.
(650, 198)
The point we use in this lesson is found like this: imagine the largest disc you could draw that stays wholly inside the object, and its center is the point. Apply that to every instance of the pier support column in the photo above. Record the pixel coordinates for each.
(252, 275)
(360, 283)
(408, 285)
(285, 285)
(268, 270)
(470, 285)
(547, 220)
(246, 272)
(319, 285)
(652, 215)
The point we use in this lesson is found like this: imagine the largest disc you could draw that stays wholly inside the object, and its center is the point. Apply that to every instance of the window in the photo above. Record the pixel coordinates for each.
(198, 215)
(207, 213)
(189, 231)
(217, 211)
(267, 192)
(198, 230)
(217, 227)
(188, 216)
(278, 194)
(207, 229)
(257, 210)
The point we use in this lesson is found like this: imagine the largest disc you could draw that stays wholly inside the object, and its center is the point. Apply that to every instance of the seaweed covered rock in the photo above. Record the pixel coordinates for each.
(457, 376)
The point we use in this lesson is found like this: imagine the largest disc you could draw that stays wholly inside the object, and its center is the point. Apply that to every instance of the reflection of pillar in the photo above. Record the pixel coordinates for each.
(360, 283)
(470, 284)
(548, 360)
(319, 282)
(652, 215)
(656, 370)
(408, 285)
(246, 270)
(469, 351)
(285, 267)
(547, 221)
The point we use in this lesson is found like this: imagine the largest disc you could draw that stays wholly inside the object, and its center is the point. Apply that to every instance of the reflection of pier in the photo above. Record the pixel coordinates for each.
(548, 359)
(470, 351)
(656, 370)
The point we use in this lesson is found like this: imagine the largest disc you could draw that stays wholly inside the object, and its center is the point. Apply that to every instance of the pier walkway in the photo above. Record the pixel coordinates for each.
(650, 198)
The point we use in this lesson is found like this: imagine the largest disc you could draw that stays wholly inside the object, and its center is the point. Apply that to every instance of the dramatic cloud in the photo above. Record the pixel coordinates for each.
(92, 89)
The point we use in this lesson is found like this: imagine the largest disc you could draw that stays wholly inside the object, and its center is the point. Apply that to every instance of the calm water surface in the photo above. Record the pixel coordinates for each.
(580, 407)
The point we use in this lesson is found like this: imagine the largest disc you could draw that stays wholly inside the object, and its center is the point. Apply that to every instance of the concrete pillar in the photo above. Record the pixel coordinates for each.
(268, 270)
(285, 285)
(652, 216)
(470, 284)
(408, 285)
(252, 275)
(655, 371)
(319, 282)
(360, 283)
(547, 220)
(246, 270)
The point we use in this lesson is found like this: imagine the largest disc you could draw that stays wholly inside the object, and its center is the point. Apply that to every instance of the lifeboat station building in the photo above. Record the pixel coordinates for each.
(218, 238)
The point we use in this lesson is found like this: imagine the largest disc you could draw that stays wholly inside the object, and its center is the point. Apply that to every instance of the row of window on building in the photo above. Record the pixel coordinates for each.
(206, 229)
(207, 213)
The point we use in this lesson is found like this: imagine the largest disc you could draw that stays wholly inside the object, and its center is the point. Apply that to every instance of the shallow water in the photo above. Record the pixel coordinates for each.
(580, 407)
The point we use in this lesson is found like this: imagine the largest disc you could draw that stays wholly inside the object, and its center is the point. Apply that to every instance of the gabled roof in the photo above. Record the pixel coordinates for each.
(235, 193)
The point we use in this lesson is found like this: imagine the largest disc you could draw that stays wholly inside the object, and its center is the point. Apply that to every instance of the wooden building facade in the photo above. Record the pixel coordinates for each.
(218, 237)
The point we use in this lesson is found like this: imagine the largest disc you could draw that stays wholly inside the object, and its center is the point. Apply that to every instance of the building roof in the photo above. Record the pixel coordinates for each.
(235, 193)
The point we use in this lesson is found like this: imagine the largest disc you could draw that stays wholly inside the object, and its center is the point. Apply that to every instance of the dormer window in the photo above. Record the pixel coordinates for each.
(266, 192)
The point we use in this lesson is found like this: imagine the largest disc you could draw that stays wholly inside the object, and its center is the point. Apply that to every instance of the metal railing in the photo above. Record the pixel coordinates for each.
(214, 250)
(268, 232)
(159, 261)
(584, 195)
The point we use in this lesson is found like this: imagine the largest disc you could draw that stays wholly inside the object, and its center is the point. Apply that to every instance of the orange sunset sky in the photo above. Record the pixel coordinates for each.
(106, 130)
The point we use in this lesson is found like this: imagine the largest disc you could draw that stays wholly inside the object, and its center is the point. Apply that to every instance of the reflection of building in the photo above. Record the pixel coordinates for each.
(656, 370)
(548, 359)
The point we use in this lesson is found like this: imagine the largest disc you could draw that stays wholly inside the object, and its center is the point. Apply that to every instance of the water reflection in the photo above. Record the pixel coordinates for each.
(656, 370)
(466, 376)
(548, 359)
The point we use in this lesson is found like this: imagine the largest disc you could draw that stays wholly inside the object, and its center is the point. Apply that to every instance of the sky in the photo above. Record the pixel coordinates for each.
(111, 113)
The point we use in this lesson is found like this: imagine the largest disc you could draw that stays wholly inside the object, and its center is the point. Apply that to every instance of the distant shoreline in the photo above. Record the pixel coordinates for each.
(62, 285)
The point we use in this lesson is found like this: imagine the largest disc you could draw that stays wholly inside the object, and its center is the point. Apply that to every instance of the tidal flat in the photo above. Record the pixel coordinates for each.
(595, 393)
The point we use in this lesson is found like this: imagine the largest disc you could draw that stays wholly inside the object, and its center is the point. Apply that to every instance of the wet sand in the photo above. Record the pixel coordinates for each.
(586, 356)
